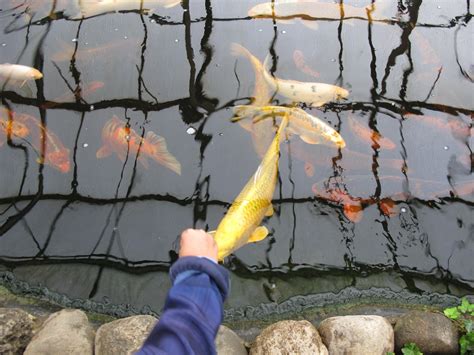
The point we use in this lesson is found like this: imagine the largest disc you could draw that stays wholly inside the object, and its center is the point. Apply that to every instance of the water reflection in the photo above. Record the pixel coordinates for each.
(398, 198)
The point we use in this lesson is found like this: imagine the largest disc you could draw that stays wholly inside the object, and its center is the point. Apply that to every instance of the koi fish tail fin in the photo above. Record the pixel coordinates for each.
(161, 154)
(238, 50)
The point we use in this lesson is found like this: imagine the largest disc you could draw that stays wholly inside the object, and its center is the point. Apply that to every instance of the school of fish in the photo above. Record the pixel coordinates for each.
(266, 122)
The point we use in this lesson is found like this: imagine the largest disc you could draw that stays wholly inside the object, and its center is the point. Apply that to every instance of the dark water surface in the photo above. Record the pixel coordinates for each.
(105, 231)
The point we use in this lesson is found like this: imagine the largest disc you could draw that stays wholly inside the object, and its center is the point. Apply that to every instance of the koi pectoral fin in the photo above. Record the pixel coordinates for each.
(103, 152)
(260, 233)
(311, 139)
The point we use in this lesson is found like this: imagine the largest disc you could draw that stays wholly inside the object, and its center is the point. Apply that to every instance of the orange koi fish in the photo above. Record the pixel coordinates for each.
(368, 135)
(457, 126)
(300, 62)
(68, 97)
(120, 139)
(419, 188)
(56, 154)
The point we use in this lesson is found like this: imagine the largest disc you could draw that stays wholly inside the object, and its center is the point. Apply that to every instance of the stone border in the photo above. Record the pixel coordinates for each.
(70, 331)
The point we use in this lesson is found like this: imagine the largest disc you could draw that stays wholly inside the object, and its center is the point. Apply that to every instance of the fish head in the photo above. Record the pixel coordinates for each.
(334, 137)
(60, 160)
(36, 74)
(341, 93)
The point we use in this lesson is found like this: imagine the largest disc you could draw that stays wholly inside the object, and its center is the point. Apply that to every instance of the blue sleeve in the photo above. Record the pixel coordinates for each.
(193, 309)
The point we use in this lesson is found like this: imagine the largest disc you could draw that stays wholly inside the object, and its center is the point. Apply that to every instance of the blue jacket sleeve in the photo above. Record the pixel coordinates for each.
(193, 309)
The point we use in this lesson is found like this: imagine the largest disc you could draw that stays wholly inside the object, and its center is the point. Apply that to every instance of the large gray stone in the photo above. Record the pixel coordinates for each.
(229, 343)
(123, 336)
(357, 335)
(433, 333)
(16, 330)
(289, 337)
(64, 332)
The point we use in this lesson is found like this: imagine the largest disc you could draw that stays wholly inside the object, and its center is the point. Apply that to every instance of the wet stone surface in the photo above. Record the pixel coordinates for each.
(16, 330)
(433, 333)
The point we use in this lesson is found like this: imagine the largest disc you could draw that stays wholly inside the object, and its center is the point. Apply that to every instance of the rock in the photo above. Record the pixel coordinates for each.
(433, 333)
(289, 337)
(123, 336)
(16, 330)
(356, 335)
(64, 332)
(229, 343)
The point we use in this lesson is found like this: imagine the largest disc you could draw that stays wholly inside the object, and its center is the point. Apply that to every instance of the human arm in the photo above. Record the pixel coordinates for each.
(193, 309)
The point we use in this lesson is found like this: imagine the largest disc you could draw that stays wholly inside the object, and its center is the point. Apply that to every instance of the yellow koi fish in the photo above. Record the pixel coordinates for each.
(241, 224)
(314, 94)
(307, 11)
(309, 128)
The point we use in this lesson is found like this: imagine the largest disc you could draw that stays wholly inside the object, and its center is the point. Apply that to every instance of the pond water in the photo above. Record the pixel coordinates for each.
(392, 211)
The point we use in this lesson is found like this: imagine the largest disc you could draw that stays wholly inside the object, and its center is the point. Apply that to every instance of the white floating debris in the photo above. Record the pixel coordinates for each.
(221, 134)
(127, 137)
(260, 30)
(91, 107)
(4, 44)
(153, 21)
(333, 60)
(86, 43)
(439, 7)
(191, 130)
(176, 40)
(283, 31)
(403, 209)
(74, 40)
(116, 29)
(446, 147)
(85, 145)
(125, 37)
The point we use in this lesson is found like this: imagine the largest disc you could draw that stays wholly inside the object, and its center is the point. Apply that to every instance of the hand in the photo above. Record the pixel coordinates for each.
(196, 242)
